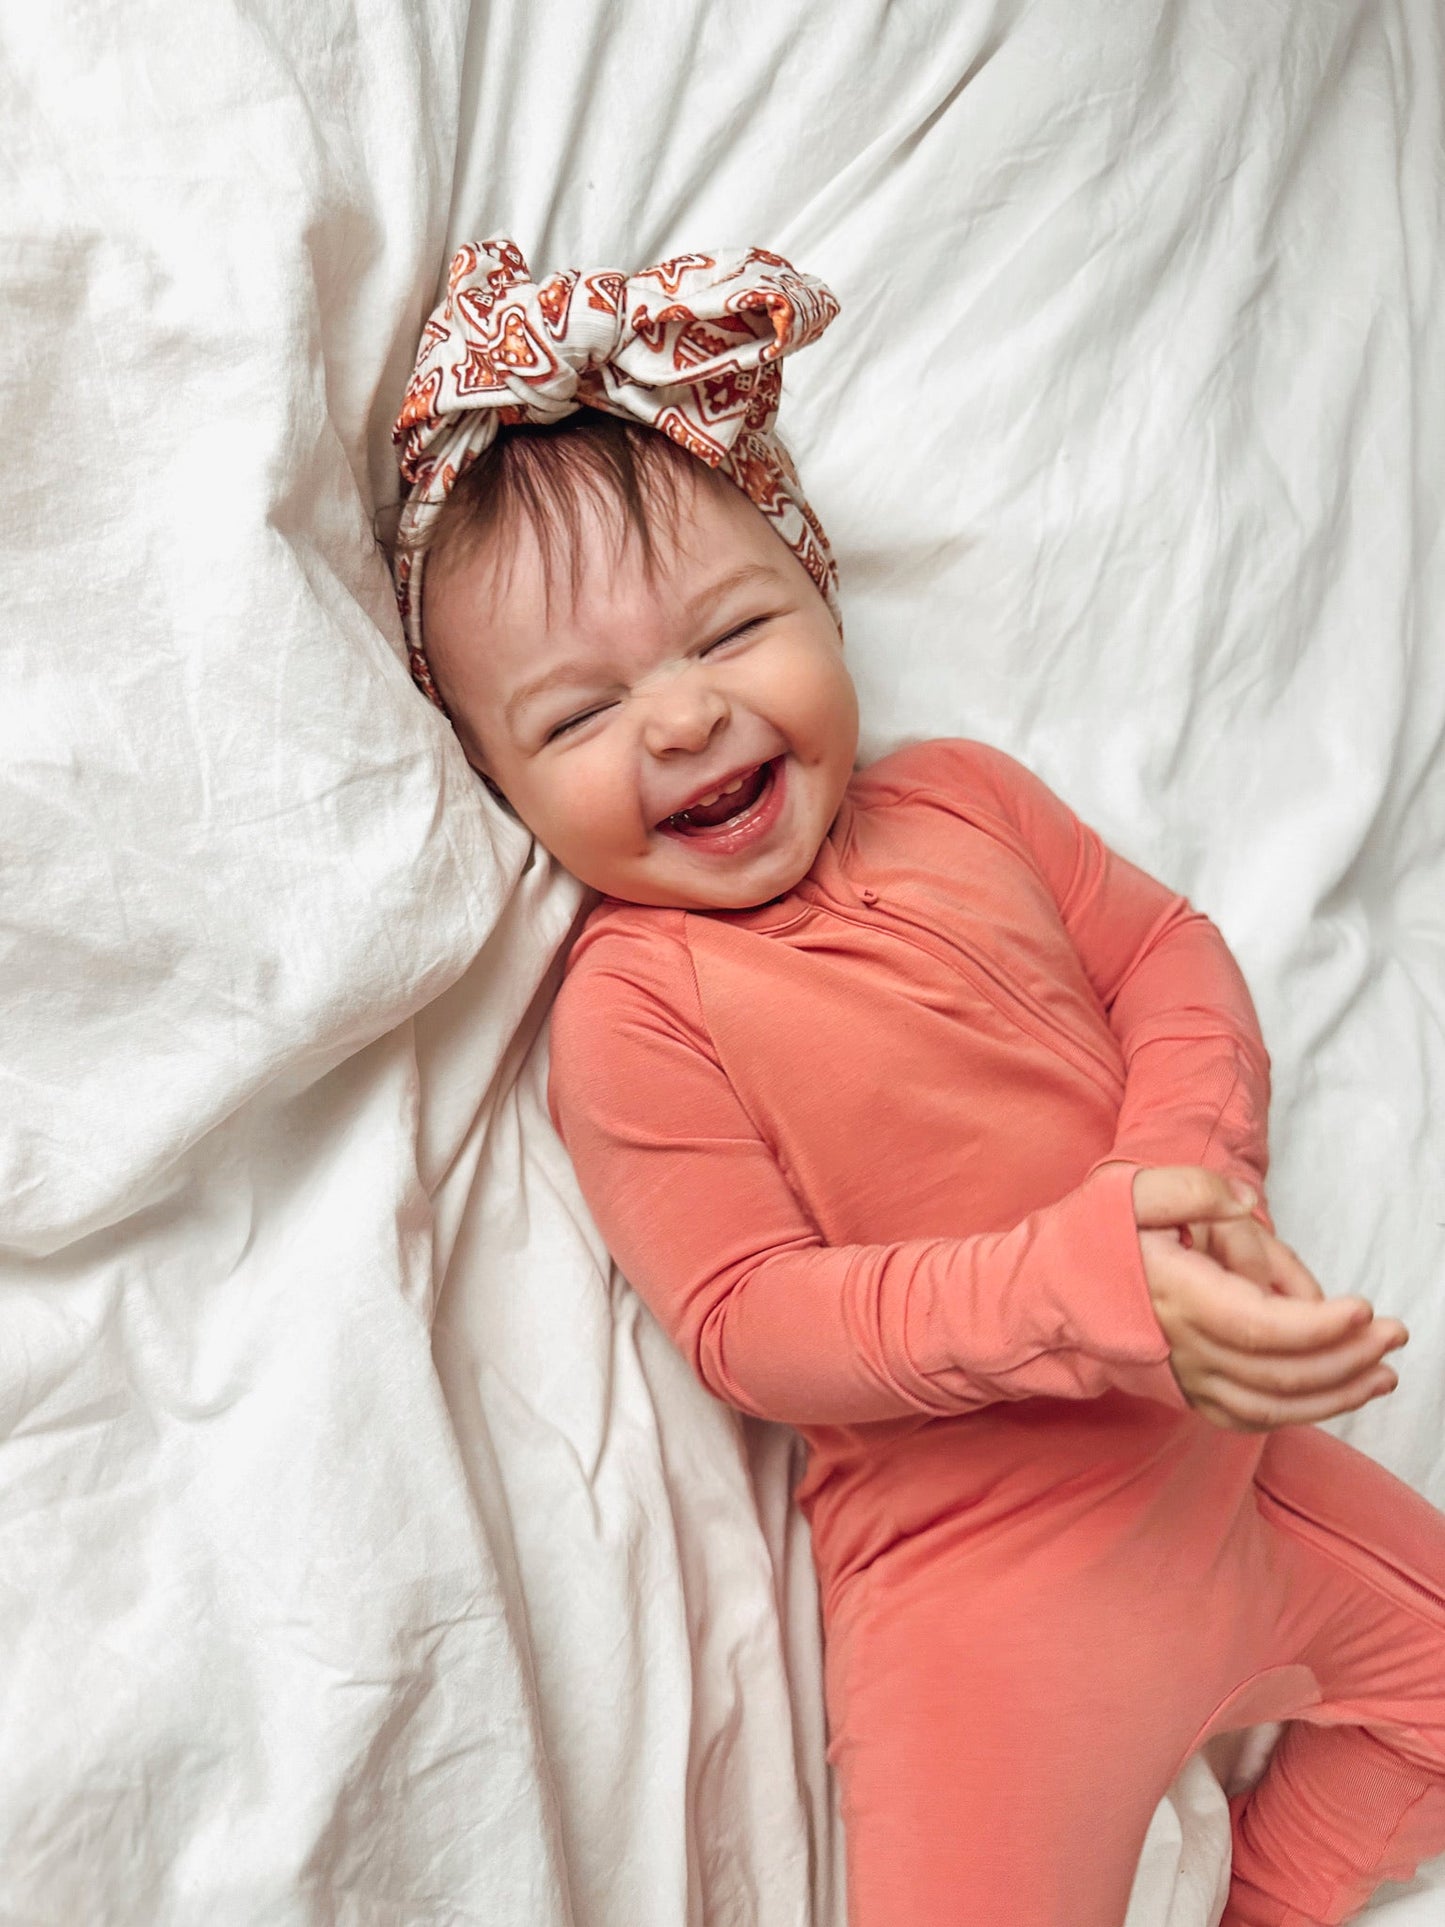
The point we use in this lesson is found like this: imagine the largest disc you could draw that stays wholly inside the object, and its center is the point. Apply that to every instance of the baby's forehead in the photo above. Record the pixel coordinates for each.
(621, 610)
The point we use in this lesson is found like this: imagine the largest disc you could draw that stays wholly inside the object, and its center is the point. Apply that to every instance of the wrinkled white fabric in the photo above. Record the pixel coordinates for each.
(365, 1556)
(260, 1664)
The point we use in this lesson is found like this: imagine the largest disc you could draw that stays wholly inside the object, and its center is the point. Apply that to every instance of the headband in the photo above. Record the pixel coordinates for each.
(690, 347)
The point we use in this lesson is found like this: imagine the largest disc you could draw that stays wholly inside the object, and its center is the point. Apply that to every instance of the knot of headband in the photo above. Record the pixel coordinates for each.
(690, 348)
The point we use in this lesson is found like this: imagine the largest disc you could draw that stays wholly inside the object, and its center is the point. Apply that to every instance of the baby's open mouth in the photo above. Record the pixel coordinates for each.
(723, 805)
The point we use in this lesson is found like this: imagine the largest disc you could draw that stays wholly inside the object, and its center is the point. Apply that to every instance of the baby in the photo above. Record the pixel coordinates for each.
(927, 1124)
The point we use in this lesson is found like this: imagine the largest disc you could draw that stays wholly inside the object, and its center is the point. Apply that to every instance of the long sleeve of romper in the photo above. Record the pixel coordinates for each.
(699, 1215)
(1197, 1072)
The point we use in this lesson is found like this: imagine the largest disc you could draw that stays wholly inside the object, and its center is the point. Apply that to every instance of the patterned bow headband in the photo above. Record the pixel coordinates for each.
(690, 347)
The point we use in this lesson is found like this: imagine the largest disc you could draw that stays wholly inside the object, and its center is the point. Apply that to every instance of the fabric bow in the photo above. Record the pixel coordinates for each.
(690, 347)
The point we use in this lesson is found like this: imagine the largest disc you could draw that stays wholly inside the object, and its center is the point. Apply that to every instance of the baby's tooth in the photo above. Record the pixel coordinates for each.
(701, 802)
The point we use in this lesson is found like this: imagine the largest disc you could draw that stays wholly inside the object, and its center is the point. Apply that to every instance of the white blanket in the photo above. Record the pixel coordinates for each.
(365, 1555)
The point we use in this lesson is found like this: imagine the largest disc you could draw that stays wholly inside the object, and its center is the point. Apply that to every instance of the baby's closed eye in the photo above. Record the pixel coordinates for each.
(734, 635)
(569, 723)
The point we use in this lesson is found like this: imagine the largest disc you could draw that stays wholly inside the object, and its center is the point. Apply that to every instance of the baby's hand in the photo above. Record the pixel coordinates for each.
(1253, 1342)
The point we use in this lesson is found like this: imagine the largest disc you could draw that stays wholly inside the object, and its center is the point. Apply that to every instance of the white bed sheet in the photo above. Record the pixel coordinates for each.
(260, 1664)
(1129, 440)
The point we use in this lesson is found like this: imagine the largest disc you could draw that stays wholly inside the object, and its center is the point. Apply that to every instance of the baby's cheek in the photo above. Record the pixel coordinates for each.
(785, 688)
(825, 686)
(825, 712)
(597, 813)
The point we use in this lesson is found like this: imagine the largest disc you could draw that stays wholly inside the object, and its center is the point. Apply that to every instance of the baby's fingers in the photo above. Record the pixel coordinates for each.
(1236, 1315)
(1237, 1408)
(1299, 1375)
(1289, 1276)
(1175, 1194)
(1240, 1246)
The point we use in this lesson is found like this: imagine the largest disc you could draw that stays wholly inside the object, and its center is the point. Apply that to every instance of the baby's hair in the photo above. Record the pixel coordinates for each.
(543, 478)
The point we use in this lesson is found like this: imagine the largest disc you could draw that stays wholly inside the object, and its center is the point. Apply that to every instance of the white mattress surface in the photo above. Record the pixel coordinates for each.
(366, 1557)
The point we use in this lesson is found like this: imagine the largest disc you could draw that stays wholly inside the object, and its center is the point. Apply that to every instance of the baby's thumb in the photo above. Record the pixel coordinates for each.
(1174, 1194)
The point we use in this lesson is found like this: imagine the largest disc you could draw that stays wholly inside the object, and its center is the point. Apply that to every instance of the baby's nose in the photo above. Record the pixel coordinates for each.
(684, 720)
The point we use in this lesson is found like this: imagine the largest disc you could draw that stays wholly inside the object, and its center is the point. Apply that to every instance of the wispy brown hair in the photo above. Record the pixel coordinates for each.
(545, 478)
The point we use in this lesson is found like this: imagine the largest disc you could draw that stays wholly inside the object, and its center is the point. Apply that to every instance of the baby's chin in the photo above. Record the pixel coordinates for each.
(677, 889)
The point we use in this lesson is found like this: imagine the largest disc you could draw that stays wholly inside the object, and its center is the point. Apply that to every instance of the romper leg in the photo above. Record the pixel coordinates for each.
(1340, 1810)
(1355, 1792)
(972, 1792)
(1003, 1734)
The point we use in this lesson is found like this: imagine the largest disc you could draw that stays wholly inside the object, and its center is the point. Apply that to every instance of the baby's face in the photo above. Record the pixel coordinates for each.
(608, 720)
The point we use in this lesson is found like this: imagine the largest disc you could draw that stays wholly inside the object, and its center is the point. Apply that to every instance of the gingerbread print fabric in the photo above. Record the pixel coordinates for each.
(691, 347)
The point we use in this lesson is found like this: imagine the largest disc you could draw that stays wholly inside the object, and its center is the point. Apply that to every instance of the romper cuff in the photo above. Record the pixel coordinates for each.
(1112, 1252)
(1059, 1307)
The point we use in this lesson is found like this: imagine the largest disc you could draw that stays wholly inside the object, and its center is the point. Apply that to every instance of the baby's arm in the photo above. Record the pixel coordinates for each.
(1197, 1093)
(699, 1215)
(1197, 1074)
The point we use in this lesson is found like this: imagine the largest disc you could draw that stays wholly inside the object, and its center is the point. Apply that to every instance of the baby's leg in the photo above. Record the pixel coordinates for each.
(972, 1795)
(1355, 1793)
(1005, 1719)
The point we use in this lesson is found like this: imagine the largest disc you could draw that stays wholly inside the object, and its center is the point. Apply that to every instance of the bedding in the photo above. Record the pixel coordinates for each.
(367, 1555)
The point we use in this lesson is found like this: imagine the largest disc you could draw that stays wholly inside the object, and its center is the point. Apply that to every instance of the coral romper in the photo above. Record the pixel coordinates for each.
(847, 1146)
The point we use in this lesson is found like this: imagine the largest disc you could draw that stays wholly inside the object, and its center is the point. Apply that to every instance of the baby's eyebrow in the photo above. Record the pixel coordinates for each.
(742, 577)
(578, 674)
